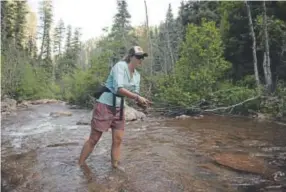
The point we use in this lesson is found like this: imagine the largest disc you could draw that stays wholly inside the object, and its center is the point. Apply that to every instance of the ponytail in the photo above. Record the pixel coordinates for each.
(127, 58)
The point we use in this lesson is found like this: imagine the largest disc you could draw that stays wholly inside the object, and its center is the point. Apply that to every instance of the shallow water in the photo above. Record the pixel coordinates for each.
(39, 153)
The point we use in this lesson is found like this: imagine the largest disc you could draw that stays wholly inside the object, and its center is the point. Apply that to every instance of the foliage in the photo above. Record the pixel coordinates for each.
(78, 87)
(205, 53)
(200, 66)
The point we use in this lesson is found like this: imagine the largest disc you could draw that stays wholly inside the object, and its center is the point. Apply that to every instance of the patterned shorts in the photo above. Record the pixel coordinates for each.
(103, 118)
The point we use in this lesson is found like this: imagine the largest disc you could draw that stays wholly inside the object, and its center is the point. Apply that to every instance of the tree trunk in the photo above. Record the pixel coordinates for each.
(149, 39)
(267, 72)
(170, 50)
(253, 44)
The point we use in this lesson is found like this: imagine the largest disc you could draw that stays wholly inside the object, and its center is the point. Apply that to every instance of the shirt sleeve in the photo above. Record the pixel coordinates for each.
(118, 76)
(137, 85)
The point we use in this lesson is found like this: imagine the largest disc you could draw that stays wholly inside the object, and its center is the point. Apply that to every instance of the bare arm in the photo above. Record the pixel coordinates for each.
(124, 92)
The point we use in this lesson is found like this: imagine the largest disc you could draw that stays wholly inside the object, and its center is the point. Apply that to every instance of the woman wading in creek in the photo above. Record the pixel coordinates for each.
(123, 81)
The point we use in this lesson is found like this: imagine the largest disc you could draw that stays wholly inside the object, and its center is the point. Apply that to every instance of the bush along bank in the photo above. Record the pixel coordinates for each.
(237, 101)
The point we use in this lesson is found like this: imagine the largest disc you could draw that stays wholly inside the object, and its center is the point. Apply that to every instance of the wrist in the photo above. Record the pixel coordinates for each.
(136, 98)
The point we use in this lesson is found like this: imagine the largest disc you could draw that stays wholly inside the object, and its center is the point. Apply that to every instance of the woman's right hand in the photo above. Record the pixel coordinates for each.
(143, 101)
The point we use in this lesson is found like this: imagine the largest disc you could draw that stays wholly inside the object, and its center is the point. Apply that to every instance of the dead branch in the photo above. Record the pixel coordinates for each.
(232, 106)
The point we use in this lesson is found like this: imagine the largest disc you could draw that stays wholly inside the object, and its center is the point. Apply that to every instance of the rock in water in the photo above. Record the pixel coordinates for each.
(182, 117)
(44, 101)
(23, 104)
(132, 114)
(60, 113)
(244, 162)
(8, 105)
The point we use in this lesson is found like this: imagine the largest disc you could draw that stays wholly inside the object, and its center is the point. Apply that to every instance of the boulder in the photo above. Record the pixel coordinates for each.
(23, 104)
(244, 162)
(132, 114)
(8, 105)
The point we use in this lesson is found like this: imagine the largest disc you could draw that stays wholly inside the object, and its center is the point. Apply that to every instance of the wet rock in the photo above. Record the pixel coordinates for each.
(83, 122)
(8, 105)
(63, 144)
(187, 117)
(60, 113)
(243, 162)
(23, 104)
(261, 116)
(132, 114)
(74, 107)
(44, 101)
(183, 117)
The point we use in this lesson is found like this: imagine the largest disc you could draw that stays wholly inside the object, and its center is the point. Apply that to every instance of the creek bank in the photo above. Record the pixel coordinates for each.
(10, 106)
(260, 107)
(198, 112)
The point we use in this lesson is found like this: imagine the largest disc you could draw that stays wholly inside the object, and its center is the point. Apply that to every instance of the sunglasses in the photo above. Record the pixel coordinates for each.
(139, 57)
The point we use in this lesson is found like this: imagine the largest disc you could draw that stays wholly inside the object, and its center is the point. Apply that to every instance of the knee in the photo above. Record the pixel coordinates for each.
(94, 137)
(92, 142)
(117, 141)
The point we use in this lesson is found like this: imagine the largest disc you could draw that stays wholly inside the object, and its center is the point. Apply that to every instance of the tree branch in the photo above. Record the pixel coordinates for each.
(232, 106)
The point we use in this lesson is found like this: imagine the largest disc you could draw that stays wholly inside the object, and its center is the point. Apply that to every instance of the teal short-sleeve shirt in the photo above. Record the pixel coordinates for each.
(119, 77)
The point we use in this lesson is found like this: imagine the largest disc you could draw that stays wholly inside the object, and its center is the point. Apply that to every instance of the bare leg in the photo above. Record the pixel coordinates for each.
(115, 148)
(89, 146)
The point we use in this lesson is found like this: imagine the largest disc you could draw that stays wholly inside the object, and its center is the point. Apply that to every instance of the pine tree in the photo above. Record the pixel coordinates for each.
(121, 31)
(46, 19)
(76, 46)
(20, 22)
(7, 22)
(59, 37)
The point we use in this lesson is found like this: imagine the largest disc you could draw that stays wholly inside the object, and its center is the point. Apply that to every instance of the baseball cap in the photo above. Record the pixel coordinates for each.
(137, 50)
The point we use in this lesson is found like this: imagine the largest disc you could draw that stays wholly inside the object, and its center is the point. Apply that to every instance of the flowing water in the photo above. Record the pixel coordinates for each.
(40, 152)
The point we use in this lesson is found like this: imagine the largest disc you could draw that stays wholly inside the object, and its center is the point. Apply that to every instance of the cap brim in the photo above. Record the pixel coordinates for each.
(142, 54)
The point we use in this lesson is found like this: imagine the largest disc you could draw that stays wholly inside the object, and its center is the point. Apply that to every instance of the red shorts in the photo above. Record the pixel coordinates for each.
(103, 118)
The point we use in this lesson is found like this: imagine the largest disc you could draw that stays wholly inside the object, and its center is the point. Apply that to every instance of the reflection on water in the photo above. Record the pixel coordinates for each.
(39, 153)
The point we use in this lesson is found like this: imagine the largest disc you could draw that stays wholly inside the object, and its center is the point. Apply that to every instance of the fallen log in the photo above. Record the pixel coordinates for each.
(232, 106)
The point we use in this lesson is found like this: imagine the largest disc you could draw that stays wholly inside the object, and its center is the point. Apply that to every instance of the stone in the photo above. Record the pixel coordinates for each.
(187, 117)
(44, 101)
(23, 104)
(243, 162)
(8, 105)
(60, 113)
(183, 117)
(132, 114)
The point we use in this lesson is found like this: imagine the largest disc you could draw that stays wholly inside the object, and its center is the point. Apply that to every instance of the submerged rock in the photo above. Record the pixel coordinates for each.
(60, 113)
(83, 122)
(244, 162)
(187, 117)
(44, 101)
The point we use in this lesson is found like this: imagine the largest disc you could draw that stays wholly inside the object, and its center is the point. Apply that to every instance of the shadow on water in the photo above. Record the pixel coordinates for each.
(39, 153)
